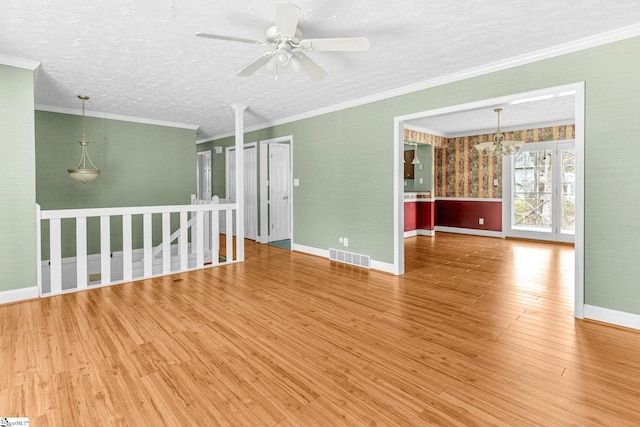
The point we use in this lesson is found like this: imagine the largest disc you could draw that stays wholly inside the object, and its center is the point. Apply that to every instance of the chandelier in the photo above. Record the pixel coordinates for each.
(500, 146)
(81, 173)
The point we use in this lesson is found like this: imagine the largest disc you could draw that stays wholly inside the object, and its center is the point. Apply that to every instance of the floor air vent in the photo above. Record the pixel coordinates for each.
(350, 258)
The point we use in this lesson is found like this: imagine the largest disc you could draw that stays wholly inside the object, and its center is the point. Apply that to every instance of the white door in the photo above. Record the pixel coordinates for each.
(203, 187)
(250, 187)
(543, 192)
(250, 193)
(279, 192)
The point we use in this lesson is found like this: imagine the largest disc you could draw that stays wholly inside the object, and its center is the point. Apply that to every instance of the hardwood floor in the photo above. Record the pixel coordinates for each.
(479, 331)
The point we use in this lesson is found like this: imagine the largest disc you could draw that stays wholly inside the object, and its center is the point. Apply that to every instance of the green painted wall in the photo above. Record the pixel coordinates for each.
(17, 177)
(141, 165)
(344, 161)
(218, 166)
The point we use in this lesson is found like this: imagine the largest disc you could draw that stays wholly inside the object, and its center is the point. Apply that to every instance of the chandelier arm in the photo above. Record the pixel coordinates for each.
(90, 161)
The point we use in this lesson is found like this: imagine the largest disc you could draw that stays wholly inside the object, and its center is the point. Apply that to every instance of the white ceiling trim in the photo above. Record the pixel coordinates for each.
(52, 109)
(19, 62)
(558, 50)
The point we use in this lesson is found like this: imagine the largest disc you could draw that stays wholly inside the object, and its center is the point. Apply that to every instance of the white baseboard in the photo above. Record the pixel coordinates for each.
(472, 231)
(310, 250)
(324, 253)
(413, 233)
(383, 266)
(615, 317)
(14, 295)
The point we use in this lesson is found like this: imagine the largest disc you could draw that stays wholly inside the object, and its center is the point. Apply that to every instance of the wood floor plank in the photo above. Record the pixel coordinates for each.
(479, 331)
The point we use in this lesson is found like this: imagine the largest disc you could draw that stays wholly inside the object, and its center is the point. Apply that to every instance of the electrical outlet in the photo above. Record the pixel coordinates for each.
(481, 221)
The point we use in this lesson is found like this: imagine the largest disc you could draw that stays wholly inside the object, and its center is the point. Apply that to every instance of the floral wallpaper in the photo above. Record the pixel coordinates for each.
(424, 138)
(460, 172)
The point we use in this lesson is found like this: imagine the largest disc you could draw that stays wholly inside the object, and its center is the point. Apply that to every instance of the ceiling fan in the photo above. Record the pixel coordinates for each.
(288, 47)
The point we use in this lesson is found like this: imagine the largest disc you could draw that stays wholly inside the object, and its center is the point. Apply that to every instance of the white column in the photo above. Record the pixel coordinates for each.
(239, 110)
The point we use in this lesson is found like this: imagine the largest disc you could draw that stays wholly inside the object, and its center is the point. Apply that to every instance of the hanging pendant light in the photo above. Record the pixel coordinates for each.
(415, 160)
(500, 145)
(81, 173)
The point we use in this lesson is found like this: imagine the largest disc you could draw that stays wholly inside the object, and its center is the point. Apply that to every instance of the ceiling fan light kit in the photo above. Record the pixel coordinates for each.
(287, 47)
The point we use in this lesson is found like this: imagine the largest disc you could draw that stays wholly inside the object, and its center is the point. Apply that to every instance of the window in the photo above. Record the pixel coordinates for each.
(543, 191)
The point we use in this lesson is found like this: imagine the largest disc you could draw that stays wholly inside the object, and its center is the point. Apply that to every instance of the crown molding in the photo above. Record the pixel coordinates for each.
(19, 62)
(204, 141)
(76, 112)
(539, 55)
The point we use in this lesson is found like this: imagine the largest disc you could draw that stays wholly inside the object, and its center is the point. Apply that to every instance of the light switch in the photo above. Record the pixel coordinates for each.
(296, 182)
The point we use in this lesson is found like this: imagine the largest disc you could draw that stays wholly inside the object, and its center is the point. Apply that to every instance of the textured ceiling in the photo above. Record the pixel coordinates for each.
(140, 58)
(553, 110)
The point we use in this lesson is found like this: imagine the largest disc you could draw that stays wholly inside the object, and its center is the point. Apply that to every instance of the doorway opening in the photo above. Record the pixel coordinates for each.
(540, 188)
(203, 166)
(276, 201)
(575, 92)
(250, 187)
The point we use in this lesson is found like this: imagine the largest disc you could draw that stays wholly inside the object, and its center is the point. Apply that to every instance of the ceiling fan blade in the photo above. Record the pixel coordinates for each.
(255, 65)
(287, 18)
(227, 38)
(313, 70)
(350, 44)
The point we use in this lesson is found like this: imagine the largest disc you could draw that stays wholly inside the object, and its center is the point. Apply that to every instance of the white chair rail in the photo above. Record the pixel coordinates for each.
(194, 243)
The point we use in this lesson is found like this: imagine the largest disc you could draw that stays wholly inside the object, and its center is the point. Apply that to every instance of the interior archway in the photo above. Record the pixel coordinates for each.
(469, 113)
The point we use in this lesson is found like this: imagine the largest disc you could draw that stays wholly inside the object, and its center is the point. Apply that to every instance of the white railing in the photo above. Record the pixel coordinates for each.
(197, 238)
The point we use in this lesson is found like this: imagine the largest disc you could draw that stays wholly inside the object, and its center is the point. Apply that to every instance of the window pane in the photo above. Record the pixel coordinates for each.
(568, 192)
(532, 192)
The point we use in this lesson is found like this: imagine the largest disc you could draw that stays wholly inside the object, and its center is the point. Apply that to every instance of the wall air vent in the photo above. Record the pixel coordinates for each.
(350, 258)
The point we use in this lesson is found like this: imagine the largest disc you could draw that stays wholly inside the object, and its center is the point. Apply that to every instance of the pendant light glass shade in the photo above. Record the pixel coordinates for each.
(415, 160)
(500, 146)
(81, 173)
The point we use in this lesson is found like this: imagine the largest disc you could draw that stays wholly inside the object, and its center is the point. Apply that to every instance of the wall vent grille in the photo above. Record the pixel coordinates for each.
(350, 258)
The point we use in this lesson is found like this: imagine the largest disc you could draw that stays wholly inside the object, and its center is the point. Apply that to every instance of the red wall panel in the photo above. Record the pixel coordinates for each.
(465, 214)
(410, 215)
(426, 216)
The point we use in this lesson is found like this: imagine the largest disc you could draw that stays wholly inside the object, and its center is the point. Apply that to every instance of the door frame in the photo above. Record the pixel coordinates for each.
(398, 189)
(227, 180)
(263, 235)
(206, 154)
(507, 197)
